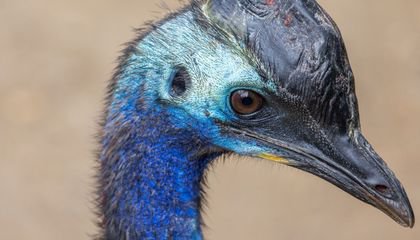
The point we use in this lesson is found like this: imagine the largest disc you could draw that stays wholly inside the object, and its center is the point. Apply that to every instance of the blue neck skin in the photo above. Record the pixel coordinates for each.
(154, 156)
(150, 176)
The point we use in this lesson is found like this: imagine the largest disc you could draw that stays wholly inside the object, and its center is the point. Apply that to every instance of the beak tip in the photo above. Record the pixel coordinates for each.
(411, 221)
(408, 223)
(408, 219)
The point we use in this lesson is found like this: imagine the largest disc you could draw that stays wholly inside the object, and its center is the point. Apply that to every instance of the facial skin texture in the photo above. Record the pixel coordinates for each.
(157, 145)
(217, 67)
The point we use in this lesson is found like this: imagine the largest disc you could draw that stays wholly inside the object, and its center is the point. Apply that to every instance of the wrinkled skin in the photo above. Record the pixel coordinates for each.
(157, 140)
(302, 51)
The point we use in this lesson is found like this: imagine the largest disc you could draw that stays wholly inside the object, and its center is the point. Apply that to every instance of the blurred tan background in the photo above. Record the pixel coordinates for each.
(56, 57)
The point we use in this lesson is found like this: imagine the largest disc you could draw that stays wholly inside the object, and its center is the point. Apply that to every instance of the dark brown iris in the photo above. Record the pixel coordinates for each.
(246, 102)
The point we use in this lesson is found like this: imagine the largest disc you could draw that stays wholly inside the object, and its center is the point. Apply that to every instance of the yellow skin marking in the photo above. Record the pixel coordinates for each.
(274, 158)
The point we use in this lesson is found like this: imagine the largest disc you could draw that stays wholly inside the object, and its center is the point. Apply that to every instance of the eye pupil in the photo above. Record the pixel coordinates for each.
(245, 102)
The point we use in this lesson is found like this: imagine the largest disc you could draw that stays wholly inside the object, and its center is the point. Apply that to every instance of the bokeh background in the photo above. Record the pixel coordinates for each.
(55, 60)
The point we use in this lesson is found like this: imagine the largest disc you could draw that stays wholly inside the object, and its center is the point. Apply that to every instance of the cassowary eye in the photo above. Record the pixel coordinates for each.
(246, 102)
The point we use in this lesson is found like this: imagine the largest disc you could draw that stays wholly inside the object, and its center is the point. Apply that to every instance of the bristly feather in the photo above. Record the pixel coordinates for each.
(128, 49)
(177, 101)
(126, 140)
(138, 139)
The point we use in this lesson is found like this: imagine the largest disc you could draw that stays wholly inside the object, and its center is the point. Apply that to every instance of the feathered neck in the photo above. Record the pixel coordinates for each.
(150, 178)
(152, 160)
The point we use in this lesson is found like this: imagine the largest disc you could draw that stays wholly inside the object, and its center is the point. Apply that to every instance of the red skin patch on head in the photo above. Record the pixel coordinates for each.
(270, 2)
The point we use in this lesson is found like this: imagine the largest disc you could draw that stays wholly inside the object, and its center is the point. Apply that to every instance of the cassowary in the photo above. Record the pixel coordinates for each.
(262, 78)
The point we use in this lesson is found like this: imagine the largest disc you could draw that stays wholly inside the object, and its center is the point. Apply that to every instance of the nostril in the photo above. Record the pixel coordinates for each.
(382, 188)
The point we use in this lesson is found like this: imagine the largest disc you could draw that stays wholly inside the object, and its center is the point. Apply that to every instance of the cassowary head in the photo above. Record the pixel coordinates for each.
(263, 78)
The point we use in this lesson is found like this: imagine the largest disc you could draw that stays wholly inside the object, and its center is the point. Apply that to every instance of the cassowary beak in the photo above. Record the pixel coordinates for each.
(313, 119)
(353, 166)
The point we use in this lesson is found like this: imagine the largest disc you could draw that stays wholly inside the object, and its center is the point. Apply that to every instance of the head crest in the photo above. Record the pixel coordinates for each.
(301, 48)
